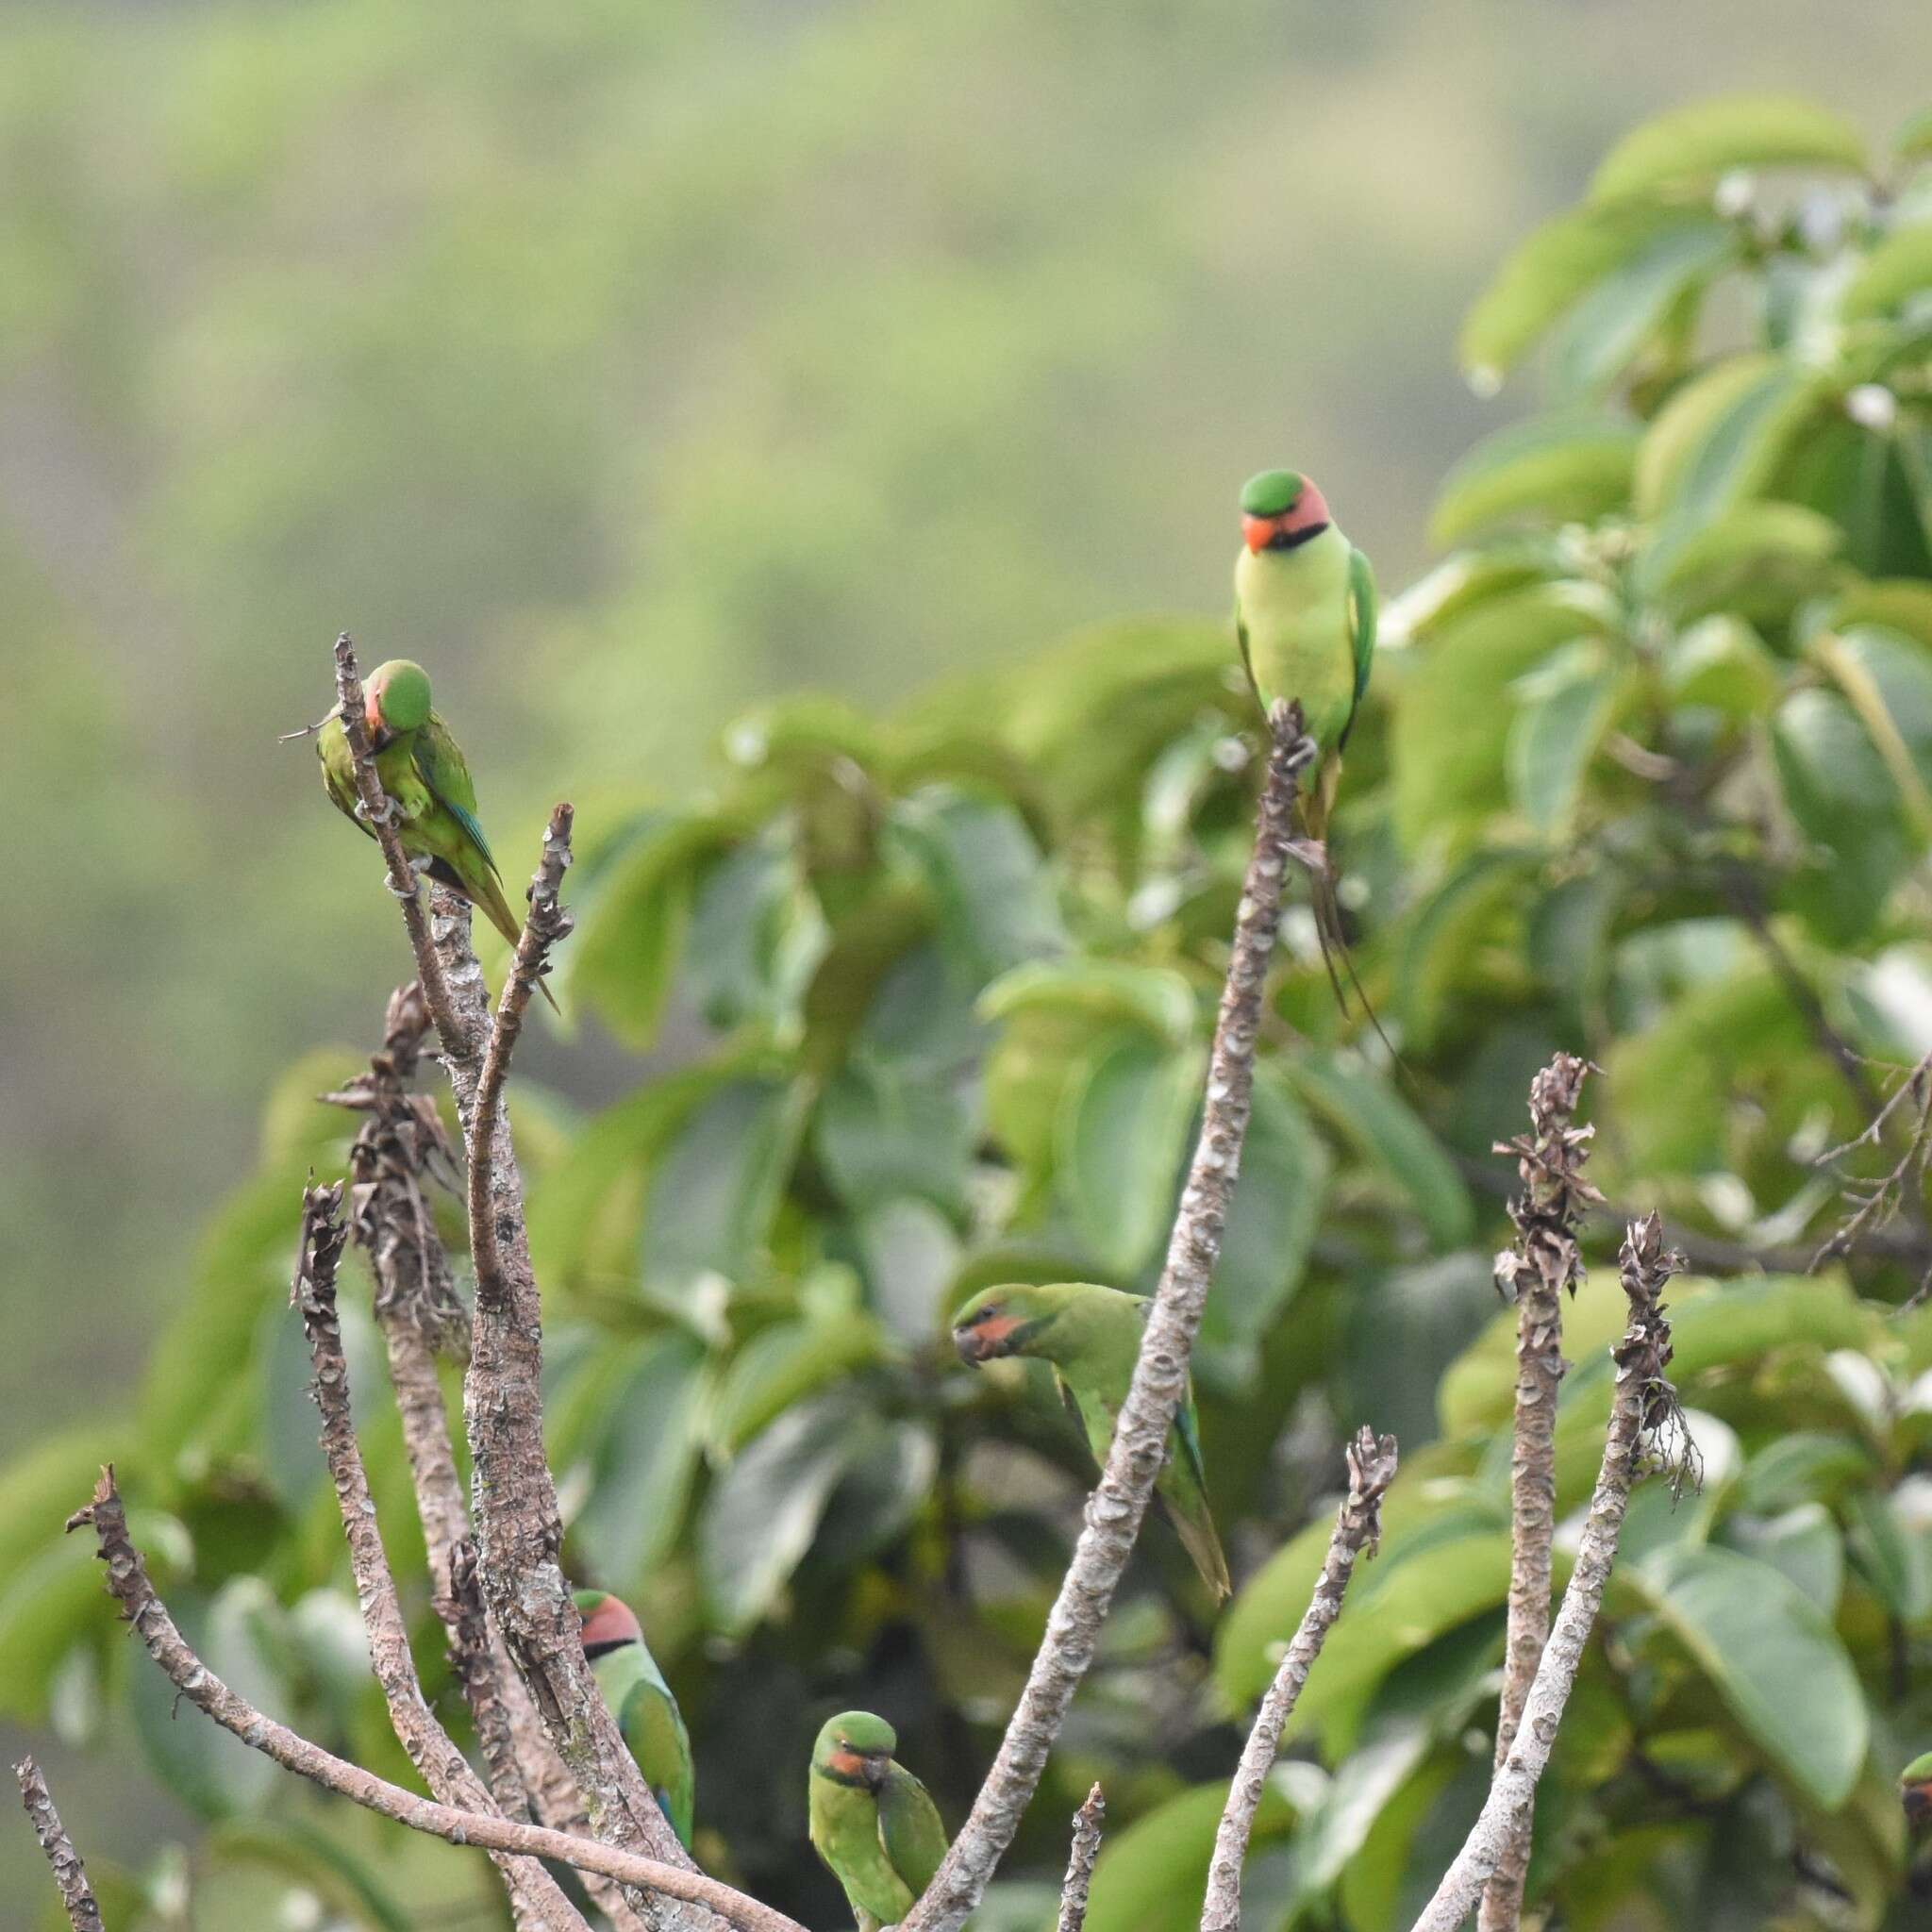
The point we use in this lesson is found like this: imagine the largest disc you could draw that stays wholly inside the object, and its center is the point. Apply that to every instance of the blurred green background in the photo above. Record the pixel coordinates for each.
(627, 365)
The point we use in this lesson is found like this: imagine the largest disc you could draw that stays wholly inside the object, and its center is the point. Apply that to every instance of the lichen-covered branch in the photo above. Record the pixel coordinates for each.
(1544, 1263)
(1357, 1528)
(1115, 1508)
(379, 813)
(519, 1529)
(70, 1874)
(1645, 1406)
(536, 1898)
(1080, 1860)
(129, 1585)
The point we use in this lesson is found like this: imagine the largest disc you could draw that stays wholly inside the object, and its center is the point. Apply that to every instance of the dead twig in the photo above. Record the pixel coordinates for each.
(129, 1585)
(1086, 1849)
(1643, 1408)
(70, 1874)
(1116, 1506)
(1357, 1528)
(1545, 1262)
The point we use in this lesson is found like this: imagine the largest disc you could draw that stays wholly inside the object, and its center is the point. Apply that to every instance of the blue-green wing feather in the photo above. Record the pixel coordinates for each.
(910, 1829)
(1361, 621)
(443, 769)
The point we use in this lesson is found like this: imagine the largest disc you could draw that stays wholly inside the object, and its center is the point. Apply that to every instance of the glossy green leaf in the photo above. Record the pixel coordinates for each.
(1803, 1544)
(1156, 997)
(783, 1365)
(1552, 738)
(756, 936)
(1150, 1877)
(1756, 558)
(1772, 1658)
(1891, 1554)
(1896, 272)
(883, 1133)
(1723, 665)
(1444, 941)
(1688, 149)
(1805, 1466)
(1614, 324)
(1122, 1140)
(1546, 469)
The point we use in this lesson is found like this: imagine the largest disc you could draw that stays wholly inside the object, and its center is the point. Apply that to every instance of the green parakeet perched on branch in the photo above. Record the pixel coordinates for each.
(1092, 1336)
(421, 769)
(641, 1701)
(1915, 1790)
(1304, 616)
(872, 1822)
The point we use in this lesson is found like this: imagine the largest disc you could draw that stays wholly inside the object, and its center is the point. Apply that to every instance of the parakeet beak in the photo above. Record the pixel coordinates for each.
(984, 1338)
(874, 1767)
(1259, 532)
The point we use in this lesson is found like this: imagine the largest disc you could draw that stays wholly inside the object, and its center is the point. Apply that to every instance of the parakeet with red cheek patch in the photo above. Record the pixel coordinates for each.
(647, 1715)
(1092, 1336)
(1915, 1790)
(872, 1822)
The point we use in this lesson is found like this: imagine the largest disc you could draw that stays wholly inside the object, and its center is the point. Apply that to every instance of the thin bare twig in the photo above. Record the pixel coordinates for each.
(379, 813)
(537, 1899)
(1544, 1262)
(1645, 1406)
(129, 1585)
(1115, 1508)
(70, 1874)
(1086, 1849)
(1357, 1528)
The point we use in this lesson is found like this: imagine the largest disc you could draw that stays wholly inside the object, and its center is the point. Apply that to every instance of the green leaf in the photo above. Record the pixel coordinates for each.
(1898, 672)
(911, 1255)
(1369, 1113)
(1445, 938)
(718, 1182)
(1270, 1228)
(1890, 1555)
(763, 1513)
(1804, 1467)
(1722, 664)
(1685, 151)
(1551, 741)
(1914, 141)
(1834, 780)
(1771, 1656)
(1156, 997)
(783, 1365)
(1738, 453)
(1894, 273)
(757, 937)
(883, 1134)
(1755, 559)
(1552, 468)
(890, 1477)
(1676, 436)
(644, 1459)
(1365, 1784)
(319, 1864)
(983, 869)
(1149, 1877)
(1122, 1138)
(1616, 321)
(1803, 1544)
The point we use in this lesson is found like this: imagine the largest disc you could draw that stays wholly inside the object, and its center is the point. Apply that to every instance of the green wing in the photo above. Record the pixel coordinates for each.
(440, 764)
(1241, 637)
(653, 1727)
(1186, 1428)
(910, 1829)
(1361, 623)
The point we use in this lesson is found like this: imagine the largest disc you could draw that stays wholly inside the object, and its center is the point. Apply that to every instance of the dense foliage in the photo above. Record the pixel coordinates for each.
(1646, 772)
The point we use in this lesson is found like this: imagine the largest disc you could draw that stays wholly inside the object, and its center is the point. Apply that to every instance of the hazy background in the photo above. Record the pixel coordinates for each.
(628, 364)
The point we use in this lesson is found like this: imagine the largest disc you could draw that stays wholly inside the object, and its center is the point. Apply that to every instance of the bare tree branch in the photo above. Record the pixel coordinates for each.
(70, 1874)
(1544, 1263)
(1644, 1405)
(1086, 1849)
(1358, 1527)
(537, 1899)
(1115, 1508)
(379, 813)
(129, 1585)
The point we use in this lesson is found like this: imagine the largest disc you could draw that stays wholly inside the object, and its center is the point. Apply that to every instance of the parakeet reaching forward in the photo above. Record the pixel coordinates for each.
(421, 769)
(1304, 616)
(1092, 1336)
(872, 1822)
(641, 1701)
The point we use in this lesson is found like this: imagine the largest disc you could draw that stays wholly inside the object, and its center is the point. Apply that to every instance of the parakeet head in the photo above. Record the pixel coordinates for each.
(854, 1748)
(608, 1622)
(1915, 1790)
(1010, 1319)
(1281, 509)
(396, 698)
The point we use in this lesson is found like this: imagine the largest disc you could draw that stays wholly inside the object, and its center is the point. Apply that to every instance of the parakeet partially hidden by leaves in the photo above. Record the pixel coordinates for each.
(421, 769)
(641, 1701)
(1092, 1336)
(872, 1822)
(1305, 617)
(1915, 1790)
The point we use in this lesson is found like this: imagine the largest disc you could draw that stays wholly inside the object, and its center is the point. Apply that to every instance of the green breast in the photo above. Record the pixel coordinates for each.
(1294, 606)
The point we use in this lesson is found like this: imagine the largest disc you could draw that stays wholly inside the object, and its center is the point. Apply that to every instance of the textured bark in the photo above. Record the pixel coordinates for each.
(1644, 1405)
(537, 1900)
(1115, 1508)
(129, 1585)
(1358, 1527)
(1086, 1849)
(70, 1874)
(1544, 1262)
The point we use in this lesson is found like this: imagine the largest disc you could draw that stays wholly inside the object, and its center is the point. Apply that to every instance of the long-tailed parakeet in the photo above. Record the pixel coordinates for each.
(872, 1822)
(641, 1701)
(1092, 1336)
(423, 771)
(1305, 617)
(1915, 1790)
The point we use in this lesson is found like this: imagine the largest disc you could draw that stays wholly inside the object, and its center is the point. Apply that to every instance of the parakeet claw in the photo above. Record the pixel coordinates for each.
(387, 816)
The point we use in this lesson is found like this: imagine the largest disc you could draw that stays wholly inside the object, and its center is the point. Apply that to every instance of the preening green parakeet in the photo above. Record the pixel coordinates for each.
(1092, 1336)
(647, 1716)
(1305, 617)
(423, 771)
(872, 1822)
(1915, 1790)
